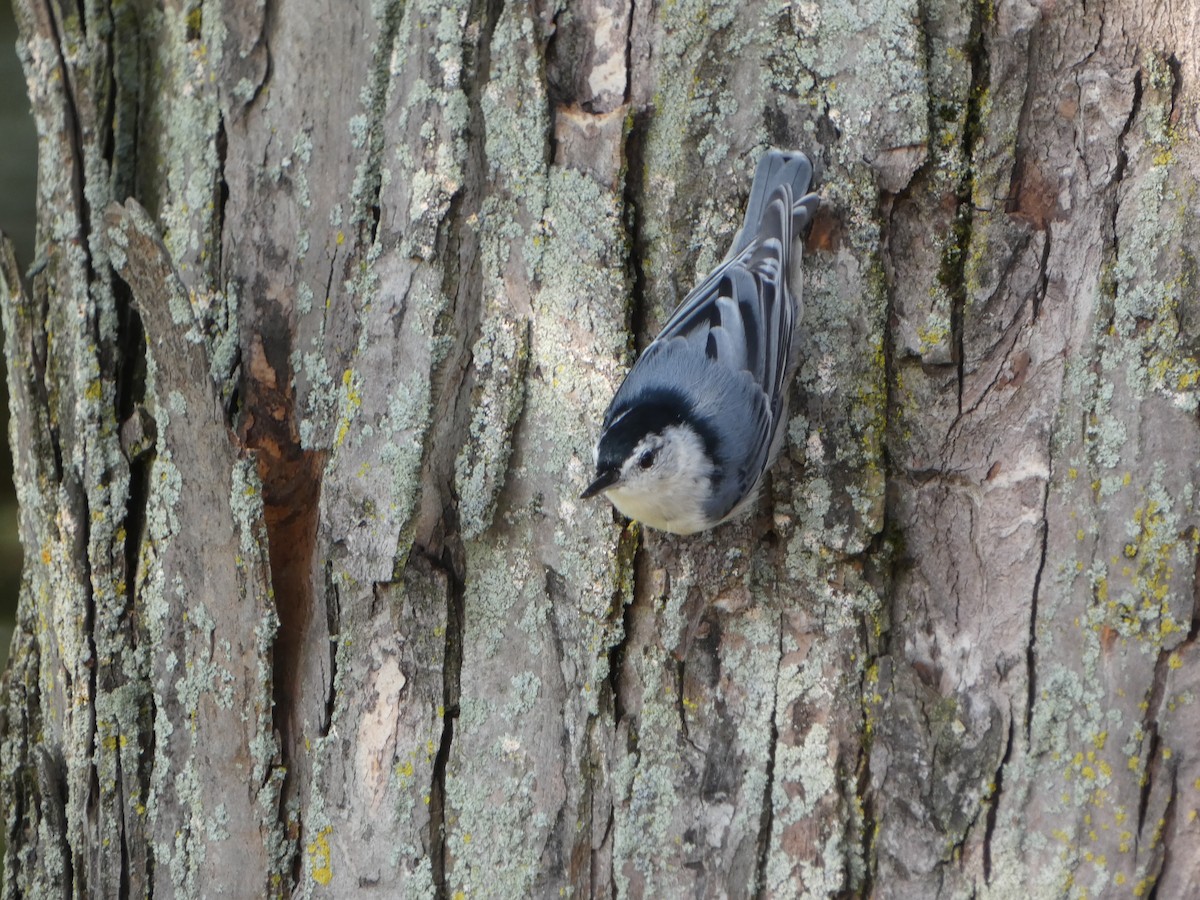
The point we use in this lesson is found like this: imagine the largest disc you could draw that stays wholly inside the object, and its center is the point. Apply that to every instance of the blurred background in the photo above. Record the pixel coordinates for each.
(18, 185)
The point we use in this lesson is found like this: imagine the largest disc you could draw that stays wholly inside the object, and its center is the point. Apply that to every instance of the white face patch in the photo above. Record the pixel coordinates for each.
(665, 482)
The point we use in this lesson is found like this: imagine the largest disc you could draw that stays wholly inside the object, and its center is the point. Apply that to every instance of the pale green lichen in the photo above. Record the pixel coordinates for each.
(222, 327)
(246, 504)
(244, 90)
(304, 298)
(186, 113)
(321, 399)
(489, 856)
(503, 581)
(646, 783)
(501, 357)
(374, 96)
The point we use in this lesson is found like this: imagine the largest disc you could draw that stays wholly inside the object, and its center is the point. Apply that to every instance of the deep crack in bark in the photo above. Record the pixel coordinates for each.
(954, 260)
(1031, 641)
(994, 804)
(1154, 758)
(451, 694)
(766, 819)
(452, 387)
(633, 195)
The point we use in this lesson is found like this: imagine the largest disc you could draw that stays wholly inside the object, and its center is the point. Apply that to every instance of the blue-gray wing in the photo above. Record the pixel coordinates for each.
(744, 316)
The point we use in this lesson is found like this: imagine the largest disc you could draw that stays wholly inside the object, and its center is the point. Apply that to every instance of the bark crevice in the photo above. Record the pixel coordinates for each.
(633, 198)
(766, 817)
(994, 803)
(451, 694)
(953, 274)
(453, 385)
(1035, 596)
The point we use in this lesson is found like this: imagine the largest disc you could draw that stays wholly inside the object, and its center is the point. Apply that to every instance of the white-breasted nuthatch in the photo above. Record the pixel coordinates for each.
(694, 427)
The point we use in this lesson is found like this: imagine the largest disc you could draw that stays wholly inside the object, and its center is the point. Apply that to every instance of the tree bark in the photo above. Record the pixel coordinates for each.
(304, 384)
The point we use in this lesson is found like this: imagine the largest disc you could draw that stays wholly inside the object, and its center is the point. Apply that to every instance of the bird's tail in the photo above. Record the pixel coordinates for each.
(779, 167)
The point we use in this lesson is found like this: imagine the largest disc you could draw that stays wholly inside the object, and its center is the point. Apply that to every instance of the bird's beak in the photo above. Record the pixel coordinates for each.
(603, 482)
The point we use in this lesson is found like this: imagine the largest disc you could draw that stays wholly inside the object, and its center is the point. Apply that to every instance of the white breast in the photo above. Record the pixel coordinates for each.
(675, 506)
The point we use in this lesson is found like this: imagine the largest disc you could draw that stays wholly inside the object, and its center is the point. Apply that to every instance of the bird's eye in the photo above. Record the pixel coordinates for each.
(646, 460)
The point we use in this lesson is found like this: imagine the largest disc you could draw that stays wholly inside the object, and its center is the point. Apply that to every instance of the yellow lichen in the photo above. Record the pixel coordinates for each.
(319, 857)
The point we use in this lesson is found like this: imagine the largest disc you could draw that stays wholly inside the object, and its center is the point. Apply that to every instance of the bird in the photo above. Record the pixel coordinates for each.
(697, 422)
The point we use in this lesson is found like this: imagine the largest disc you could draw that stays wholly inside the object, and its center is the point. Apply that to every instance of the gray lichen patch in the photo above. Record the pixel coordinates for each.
(186, 113)
(500, 358)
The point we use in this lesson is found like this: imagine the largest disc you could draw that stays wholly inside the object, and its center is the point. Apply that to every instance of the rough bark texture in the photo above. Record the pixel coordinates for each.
(328, 306)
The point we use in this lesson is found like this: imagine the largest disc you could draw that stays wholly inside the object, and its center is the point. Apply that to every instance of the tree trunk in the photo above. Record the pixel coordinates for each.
(304, 385)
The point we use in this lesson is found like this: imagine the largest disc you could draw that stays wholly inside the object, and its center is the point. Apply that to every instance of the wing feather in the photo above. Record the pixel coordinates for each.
(740, 323)
(744, 315)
